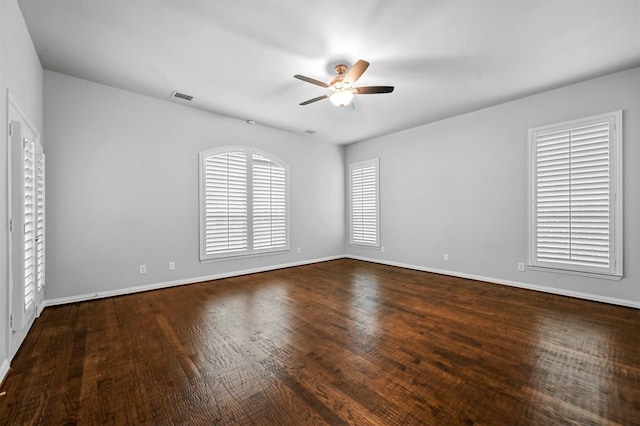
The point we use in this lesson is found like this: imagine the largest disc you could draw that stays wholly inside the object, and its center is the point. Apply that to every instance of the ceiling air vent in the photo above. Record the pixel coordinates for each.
(181, 96)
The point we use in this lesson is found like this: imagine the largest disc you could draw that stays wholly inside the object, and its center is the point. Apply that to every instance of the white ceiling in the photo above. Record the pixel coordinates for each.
(238, 57)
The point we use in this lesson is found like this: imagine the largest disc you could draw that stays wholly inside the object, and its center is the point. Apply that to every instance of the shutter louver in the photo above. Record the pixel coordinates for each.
(364, 204)
(269, 204)
(572, 201)
(29, 224)
(40, 236)
(225, 203)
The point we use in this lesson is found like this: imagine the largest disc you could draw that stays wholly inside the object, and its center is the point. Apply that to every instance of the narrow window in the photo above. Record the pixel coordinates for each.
(576, 197)
(364, 211)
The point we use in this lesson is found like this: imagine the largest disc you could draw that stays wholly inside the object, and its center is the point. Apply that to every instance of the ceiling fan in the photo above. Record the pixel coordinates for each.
(342, 89)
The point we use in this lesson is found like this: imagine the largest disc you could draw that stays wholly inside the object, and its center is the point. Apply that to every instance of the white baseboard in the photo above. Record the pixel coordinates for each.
(130, 290)
(156, 286)
(561, 292)
(4, 369)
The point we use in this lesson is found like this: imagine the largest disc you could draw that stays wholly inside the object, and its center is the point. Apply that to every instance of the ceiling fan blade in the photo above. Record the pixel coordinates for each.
(369, 90)
(356, 71)
(311, 80)
(319, 98)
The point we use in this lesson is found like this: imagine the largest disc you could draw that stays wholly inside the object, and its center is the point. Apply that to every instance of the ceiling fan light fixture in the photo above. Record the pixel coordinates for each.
(341, 97)
(341, 87)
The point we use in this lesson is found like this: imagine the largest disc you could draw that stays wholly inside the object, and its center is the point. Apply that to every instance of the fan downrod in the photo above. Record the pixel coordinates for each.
(341, 69)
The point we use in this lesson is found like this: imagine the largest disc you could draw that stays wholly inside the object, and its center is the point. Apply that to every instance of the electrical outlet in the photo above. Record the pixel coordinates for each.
(298, 250)
(445, 256)
(143, 269)
(521, 267)
(382, 249)
(172, 266)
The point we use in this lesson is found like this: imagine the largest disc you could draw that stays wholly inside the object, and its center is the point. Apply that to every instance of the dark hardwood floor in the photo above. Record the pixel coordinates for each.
(340, 342)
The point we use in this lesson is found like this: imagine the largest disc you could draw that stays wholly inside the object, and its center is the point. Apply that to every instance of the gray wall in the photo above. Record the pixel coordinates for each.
(122, 189)
(459, 186)
(21, 75)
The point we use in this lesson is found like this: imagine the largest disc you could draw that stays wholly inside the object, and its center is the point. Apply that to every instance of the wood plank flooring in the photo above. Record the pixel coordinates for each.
(340, 342)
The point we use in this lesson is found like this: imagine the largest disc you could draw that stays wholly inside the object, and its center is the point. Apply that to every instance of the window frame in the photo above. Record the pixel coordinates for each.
(615, 269)
(360, 165)
(250, 251)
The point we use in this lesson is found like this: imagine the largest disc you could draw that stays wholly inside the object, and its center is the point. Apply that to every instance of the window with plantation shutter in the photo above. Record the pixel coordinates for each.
(576, 197)
(225, 204)
(363, 195)
(269, 204)
(243, 198)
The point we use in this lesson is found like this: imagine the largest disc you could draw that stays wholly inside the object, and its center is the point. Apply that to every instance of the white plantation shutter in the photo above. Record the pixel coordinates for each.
(40, 236)
(364, 203)
(29, 220)
(269, 204)
(225, 203)
(243, 203)
(575, 208)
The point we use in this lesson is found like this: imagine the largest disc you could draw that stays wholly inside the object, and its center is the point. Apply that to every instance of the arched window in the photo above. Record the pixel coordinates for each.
(243, 203)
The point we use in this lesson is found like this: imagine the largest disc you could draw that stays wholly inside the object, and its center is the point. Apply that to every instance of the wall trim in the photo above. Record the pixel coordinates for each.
(560, 292)
(157, 286)
(185, 281)
(4, 369)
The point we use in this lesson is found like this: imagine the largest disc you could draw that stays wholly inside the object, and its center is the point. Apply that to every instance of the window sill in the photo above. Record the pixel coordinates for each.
(610, 277)
(365, 246)
(244, 255)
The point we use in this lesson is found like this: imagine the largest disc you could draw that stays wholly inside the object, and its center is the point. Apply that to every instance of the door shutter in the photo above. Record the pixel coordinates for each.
(269, 204)
(40, 217)
(29, 219)
(225, 204)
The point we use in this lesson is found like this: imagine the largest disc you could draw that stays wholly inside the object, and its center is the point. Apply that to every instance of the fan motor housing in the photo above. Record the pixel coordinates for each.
(340, 69)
